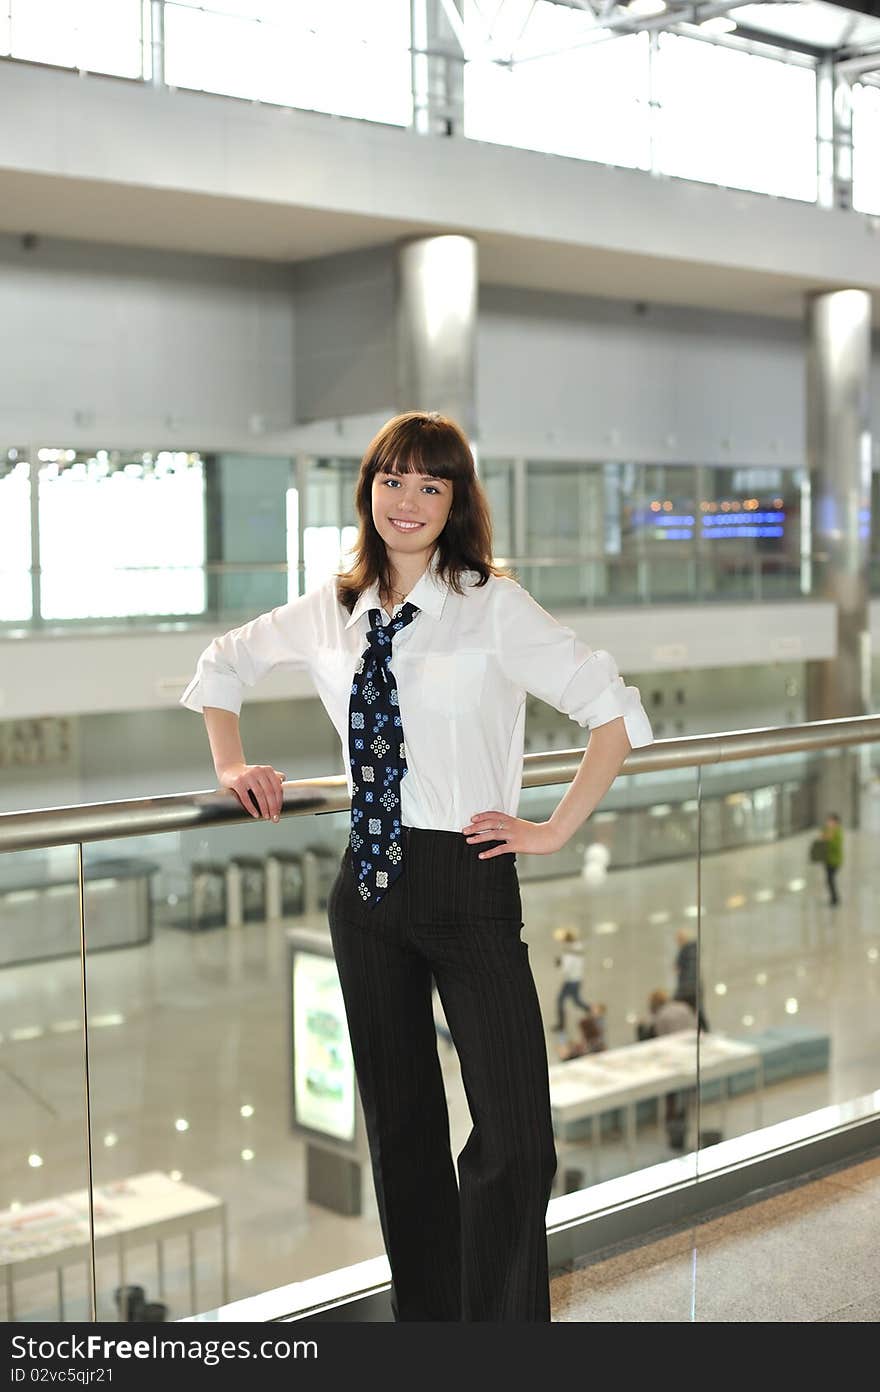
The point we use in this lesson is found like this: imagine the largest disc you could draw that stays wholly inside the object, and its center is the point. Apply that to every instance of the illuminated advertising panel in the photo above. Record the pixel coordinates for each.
(323, 1070)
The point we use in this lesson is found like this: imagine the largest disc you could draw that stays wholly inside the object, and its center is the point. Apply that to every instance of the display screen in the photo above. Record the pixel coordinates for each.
(323, 1069)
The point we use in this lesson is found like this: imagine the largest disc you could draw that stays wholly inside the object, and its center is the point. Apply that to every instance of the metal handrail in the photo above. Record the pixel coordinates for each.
(104, 821)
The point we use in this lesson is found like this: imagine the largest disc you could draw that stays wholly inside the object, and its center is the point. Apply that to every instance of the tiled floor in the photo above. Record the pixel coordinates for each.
(193, 1028)
(798, 1254)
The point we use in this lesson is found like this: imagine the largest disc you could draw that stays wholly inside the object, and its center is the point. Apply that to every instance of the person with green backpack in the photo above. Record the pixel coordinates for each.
(832, 835)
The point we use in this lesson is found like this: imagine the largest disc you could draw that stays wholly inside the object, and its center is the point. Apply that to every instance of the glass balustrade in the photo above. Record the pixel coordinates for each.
(226, 1144)
(44, 1206)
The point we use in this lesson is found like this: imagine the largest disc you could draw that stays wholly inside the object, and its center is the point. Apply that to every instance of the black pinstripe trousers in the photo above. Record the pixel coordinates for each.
(475, 1249)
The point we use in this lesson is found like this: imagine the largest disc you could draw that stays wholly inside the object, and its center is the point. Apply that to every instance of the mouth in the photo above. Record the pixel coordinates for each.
(405, 526)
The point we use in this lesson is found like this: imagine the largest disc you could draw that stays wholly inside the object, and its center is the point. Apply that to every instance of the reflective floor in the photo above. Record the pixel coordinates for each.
(190, 1054)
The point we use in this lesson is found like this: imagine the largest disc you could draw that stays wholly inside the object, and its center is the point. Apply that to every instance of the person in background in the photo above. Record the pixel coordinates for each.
(667, 1016)
(571, 961)
(832, 835)
(592, 1036)
(688, 988)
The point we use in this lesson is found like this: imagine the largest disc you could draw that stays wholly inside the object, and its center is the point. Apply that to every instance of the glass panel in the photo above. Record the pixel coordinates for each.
(750, 532)
(565, 517)
(866, 143)
(622, 1079)
(535, 80)
(192, 1088)
(341, 56)
(249, 507)
(783, 970)
(706, 131)
(657, 528)
(331, 521)
(121, 533)
(97, 35)
(16, 602)
(497, 478)
(44, 1233)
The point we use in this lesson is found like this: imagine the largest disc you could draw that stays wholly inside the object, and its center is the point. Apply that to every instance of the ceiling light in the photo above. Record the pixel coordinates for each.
(35, 1161)
(791, 1006)
(247, 1155)
(247, 1110)
(720, 989)
(721, 24)
(181, 1124)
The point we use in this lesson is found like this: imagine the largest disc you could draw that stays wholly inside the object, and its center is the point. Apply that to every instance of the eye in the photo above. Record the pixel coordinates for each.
(393, 481)
(431, 488)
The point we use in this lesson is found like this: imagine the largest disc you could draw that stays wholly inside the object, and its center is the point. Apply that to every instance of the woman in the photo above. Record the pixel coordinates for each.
(422, 654)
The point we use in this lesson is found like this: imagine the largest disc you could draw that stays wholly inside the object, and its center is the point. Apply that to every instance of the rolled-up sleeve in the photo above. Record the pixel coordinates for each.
(543, 657)
(282, 637)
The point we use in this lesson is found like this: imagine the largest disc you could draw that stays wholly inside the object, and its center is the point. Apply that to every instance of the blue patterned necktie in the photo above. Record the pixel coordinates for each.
(378, 761)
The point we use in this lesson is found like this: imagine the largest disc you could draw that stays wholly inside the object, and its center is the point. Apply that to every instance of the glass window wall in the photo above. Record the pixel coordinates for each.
(498, 479)
(340, 56)
(555, 90)
(102, 36)
(331, 522)
(15, 536)
(121, 534)
(750, 532)
(707, 131)
(866, 145)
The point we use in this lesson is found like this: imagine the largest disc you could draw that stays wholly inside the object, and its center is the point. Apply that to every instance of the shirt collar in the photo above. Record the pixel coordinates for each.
(428, 594)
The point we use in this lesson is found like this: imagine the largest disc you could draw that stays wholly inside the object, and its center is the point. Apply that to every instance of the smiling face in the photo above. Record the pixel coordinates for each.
(409, 513)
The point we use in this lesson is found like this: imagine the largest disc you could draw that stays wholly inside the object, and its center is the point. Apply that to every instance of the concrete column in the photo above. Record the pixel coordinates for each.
(839, 455)
(436, 322)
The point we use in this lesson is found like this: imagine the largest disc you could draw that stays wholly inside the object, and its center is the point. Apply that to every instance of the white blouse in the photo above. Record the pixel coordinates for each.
(463, 667)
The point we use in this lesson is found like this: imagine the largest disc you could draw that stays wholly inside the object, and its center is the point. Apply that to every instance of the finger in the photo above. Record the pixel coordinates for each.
(496, 851)
(488, 835)
(256, 795)
(486, 821)
(247, 800)
(267, 792)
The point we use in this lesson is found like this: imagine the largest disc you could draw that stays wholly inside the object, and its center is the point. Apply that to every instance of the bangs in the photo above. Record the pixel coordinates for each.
(424, 446)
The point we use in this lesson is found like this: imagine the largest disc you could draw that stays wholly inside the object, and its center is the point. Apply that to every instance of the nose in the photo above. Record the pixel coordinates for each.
(406, 501)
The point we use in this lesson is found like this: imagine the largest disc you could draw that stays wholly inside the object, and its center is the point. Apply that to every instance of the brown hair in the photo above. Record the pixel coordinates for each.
(422, 442)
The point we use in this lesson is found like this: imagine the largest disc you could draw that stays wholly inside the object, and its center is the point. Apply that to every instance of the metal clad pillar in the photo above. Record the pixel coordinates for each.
(438, 33)
(834, 136)
(436, 328)
(839, 454)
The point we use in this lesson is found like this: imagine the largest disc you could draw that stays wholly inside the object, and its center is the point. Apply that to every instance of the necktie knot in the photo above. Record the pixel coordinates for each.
(380, 636)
